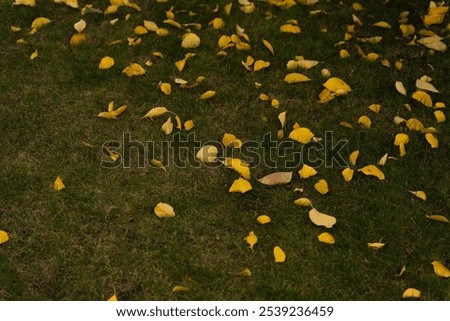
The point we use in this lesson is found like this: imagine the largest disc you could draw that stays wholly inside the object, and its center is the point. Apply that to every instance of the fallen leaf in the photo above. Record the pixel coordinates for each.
(326, 238)
(375, 108)
(277, 178)
(303, 201)
(166, 88)
(419, 194)
(290, 28)
(58, 185)
(179, 288)
(80, 26)
(382, 24)
(414, 124)
(321, 219)
(133, 69)
(251, 239)
(239, 166)
(423, 97)
(38, 23)
(440, 269)
(403, 270)
(112, 298)
(440, 116)
(295, 77)
(322, 186)
(432, 140)
(244, 273)
(207, 95)
(383, 160)
(34, 55)
(279, 254)
(307, 171)
(190, 41)
(164, 210)
(240, 185)
(155, 112)
(207, 154)
(4, 237)
(106, 63)
(188, 124)
(268, 46)
(372, 170)
(302, 135)
(411, 293)
(231, 140)
(353, 157)
(263, 219)
(260, 64)
(347, 173)
(400, 88)
(375, 245)
(30, 3)
(157, 163)
(439, 218)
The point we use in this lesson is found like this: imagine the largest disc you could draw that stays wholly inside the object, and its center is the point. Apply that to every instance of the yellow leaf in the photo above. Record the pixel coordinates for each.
(375, 108)
(344, 123)
(279, 254)
(414, 124)
(400, 88)
(140, 30)
(263, 219)
(260, 64)
(179, 288)
(403, 270)
(134, 41)
(439, 218)
(290, 28)
(251, 239)
(107, 115)
(207, 154)
(188, 124)
(337, 86)
(282, 118)
(38, 23)
(411, 293)
(423, 97)
(190, 41)
(322, 186)
(295, 77)
(239, 166)
(165, 88)
(231, 140)
(80, 26)
(164, 210)
(439, 105)
(275, 103)
(106, 63)
(268, 46)
(119, 110)
(326, 238)
(401, 140)
(34, 55)
(224, 41)
(133, 69)
(3, 237)
(383, 160)
(162, 32)
(365, 121)
(30, 3)
(433, 42)
(321, 219)
(440, 116)
(58, 185)
(432, 140)
(207, 95)
(173, 23)
(424, 85)
(303, 201)
(372, 170)
(244, 273)
(111, 9)
(440, 269)
(307, 64)
(217, 23)
(347, 173)
(277, 178)
(344, 54)
(240, 185)
(407, 30)
(375, 245)
(155, 112)
(263, 97)
(21, 41)
(419, 194)
(167, 127)
(307, 171)
(77, 39)
(353, 157)
(157, 163)
(113, 298)
(382, 24)
(302, 135)
(325, 73)
(180, 64)
(150, 25)
(112, 155)
(227, 8)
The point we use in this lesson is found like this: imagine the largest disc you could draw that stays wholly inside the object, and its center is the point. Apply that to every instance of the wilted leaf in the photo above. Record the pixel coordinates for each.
(321, 219)
(411, 293)
(372, 170)
(251, 239)
(164, 210)
(277, 178)
(403, 270)
(240, 185)
(322, 186)
(326, 238)
(58, 185)
(279, 254)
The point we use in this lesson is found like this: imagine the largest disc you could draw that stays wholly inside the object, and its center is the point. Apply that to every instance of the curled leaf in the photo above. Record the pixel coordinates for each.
(179, 288)
(372, 170)
(155, 112)
(303, 201)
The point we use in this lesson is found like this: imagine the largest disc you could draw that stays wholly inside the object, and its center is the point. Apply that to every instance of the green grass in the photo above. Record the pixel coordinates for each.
(100, 232)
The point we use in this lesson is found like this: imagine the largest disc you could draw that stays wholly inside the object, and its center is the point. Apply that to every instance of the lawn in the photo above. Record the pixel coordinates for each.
(99, 236)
